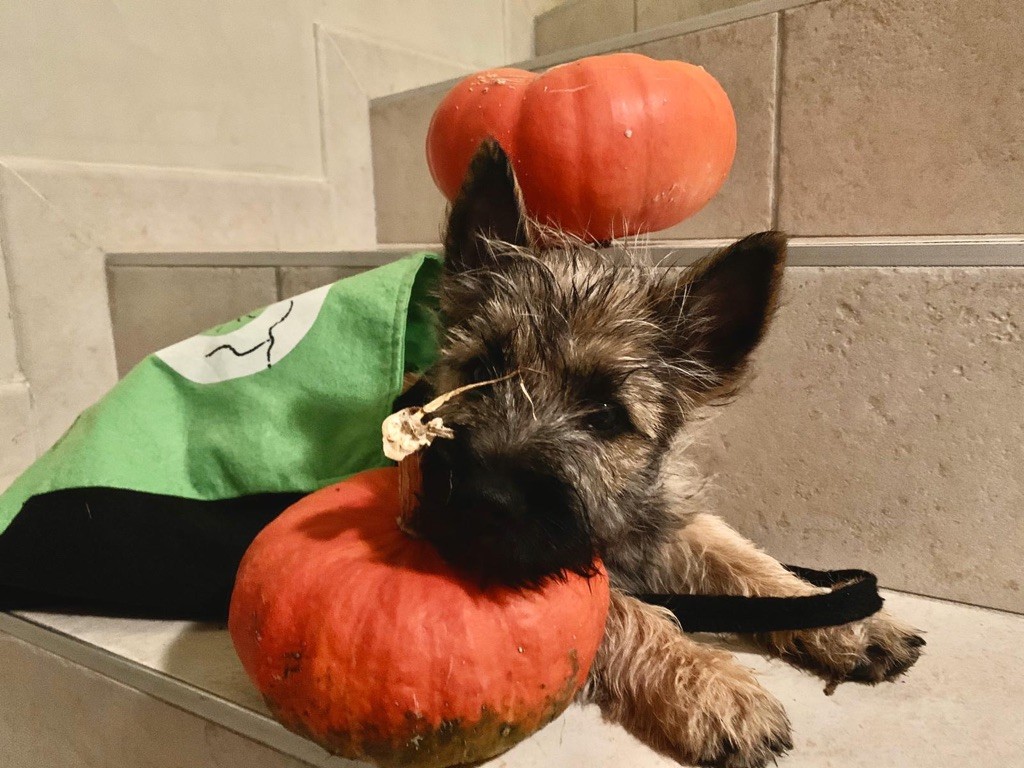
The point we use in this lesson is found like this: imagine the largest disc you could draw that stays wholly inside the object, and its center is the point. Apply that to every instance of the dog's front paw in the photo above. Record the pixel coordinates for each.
(872, 651)
(737, 725)
(707, 710)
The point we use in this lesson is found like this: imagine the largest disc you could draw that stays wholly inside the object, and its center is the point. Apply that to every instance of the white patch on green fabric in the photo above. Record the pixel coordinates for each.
(248, 345)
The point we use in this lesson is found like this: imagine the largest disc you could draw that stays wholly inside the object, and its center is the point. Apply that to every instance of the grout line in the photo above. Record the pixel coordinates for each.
(776, 141)
(320, 63)
(279, 282)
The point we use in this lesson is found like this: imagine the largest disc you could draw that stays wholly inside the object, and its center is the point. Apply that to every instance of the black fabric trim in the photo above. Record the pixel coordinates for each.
(127, 553)
(853, 596)
(120, 552)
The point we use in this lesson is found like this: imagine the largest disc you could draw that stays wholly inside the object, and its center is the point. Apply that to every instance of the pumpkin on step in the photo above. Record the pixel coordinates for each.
(362, 639)
(603, 147)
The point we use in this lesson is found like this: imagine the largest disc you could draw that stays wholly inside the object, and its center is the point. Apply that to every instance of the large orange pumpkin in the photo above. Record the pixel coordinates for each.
(364, 640)
(604, 147)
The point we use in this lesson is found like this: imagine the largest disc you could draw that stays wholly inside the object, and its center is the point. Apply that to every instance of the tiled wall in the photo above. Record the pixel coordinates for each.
(154, 306)
(580, 22)
(856, 117)
(883, 428)
(189, 126)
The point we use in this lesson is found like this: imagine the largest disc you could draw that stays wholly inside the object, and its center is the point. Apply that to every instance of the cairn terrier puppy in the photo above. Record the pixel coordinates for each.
(580, 454)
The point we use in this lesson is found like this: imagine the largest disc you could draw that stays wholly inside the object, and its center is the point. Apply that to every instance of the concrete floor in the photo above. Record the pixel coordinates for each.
(962, 705)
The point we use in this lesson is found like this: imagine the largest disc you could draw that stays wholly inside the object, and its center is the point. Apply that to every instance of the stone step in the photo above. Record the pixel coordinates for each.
(84, 692)
(851, 119)
(883, 421)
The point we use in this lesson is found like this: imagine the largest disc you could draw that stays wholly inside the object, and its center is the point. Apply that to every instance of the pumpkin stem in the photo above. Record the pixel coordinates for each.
(408, 485)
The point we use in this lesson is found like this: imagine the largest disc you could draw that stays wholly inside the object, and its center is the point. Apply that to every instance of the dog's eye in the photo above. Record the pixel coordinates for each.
(608, 419)
(484, 368)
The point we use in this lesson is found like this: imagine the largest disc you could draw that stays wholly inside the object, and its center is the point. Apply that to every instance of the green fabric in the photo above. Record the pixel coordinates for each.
(293, 423)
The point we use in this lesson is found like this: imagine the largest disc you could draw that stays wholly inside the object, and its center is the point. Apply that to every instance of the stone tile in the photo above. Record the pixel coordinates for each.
(954, 707)
(381, 68)
(742, 57)
(520, 17)
(296, 280)
(17, 449)
(470, 33)
(54, 712)
(345, 120)
(9, 370)
(410, 209)
(581, 22)
(225, 86)
(131, 208)
(59, 297)
(885, 430)
(881, 127)
(355, 70)
(656, 13)
(153, 307)
(954, 689)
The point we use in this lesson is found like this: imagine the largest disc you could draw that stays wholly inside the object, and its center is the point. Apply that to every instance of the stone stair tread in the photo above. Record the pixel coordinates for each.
(959, 706)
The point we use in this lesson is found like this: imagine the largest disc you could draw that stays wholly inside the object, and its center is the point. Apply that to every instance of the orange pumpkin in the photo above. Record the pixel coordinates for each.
(603, 147)
(362, 639)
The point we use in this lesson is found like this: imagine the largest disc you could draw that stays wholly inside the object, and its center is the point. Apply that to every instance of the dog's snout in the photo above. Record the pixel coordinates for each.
(499, 517)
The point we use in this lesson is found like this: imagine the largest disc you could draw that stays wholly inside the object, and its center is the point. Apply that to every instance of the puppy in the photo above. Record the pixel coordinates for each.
(580, 454)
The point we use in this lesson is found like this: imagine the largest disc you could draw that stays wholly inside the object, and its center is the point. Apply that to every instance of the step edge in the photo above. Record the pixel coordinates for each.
(832, 252)
(743, 12)
(176, 693)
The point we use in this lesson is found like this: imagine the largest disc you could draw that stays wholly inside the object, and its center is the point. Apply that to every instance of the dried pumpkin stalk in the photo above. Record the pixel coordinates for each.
(406, 432)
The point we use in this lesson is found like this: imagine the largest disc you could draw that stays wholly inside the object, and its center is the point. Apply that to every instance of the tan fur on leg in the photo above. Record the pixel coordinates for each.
(692, 702)
(709, 557)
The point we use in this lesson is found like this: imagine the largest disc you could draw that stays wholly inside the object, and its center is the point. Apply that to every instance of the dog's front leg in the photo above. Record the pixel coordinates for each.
(709, 557)
(692, 702)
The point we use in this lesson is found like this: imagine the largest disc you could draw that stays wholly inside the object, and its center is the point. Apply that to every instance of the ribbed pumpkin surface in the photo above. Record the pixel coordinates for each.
(364, 640)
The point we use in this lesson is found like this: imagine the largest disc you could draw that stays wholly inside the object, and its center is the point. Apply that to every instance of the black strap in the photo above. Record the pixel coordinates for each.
(853, 596)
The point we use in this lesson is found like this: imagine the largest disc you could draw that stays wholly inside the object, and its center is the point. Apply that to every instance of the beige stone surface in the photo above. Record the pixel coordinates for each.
(742, 57)
(959, 706)
(581, 22)
(355, 70)
(519, 25)
(902, 117)
(410, 209)
(17, 449)
(9, 370)
(153, 307)
(56, 713)
(59, 296)
(885, 430)
(470, 34)
(228, 86)
(222, 85)
(135, 208)
(296, 280)
(655, 13)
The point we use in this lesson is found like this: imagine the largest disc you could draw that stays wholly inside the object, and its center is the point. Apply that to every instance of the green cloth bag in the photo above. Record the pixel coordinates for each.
(147, 503)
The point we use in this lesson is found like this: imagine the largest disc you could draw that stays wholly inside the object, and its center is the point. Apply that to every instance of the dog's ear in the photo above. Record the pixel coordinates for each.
(488, 207)
(722, 305)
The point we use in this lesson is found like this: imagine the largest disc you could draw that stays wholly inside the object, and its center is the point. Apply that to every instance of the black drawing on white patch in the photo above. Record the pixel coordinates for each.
(267, 343)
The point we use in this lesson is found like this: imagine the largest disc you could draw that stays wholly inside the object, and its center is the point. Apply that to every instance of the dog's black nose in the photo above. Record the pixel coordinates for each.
(502, 498)
(500, 519)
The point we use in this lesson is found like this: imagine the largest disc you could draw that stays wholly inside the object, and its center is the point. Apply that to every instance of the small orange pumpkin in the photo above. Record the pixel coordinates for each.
(603, 147)
(362, 639)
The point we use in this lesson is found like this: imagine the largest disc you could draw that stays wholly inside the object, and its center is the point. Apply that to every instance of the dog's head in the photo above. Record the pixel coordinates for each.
(603, 365)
